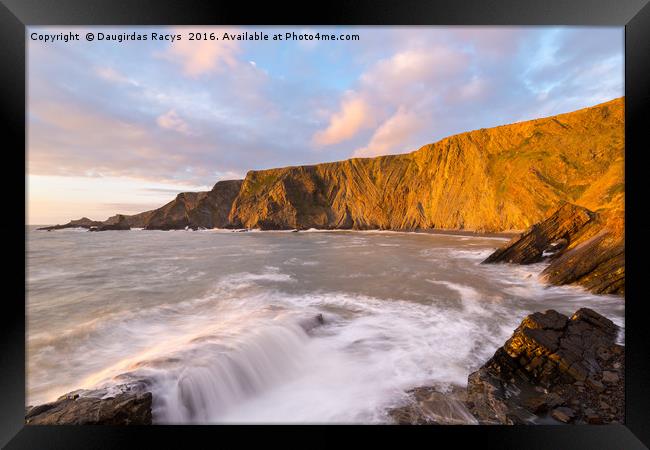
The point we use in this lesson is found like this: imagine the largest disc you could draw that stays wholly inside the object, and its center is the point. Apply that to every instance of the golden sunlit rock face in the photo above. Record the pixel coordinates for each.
(496, 179)
(559, 178)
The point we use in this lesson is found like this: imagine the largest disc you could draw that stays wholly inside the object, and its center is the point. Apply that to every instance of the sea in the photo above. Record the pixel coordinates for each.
(225, 326)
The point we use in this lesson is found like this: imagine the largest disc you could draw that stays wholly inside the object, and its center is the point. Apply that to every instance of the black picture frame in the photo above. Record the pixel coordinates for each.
(15, 15)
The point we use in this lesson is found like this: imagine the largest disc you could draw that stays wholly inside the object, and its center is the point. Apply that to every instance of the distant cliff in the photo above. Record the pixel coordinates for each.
(502, 178)
(192, 209)
(496, 179)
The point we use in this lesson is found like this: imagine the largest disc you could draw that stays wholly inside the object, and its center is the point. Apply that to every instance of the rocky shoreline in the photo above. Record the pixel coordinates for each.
(553, 370)
(583, 247)
(128, 404)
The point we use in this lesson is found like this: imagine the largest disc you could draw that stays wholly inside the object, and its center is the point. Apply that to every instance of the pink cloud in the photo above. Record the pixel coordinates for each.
(355, 114)
(415, 66)
(401, 81)
(475, 89)
(392, 135)
(172, 121)
(204, 56)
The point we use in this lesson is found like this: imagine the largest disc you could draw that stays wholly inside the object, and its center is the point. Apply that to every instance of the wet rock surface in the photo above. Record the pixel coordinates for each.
(583, 247)
(548, 236)
(597, 264)
(308, 324)
(553, 370)
(429, 406)
(131, 405)
(566, 369)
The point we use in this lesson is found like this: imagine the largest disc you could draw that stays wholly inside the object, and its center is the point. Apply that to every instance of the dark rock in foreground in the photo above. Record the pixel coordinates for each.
(553, 367)
(552, 370)
(308, 324)
(428, 406)
(132, 406)
(583, 247)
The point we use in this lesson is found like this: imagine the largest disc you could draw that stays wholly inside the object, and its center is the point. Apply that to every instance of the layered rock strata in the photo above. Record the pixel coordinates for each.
(568, 369)
(131, 405)
(496, 179)
(553, 370)
(583, 247)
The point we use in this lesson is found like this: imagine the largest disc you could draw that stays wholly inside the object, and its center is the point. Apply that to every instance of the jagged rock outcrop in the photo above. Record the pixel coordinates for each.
(553, 367)
(502, 178)
(117, 222)
(545, 238)
(188, 210)
(584, 248)
(597, 264)
(193, 209)
(131, 406)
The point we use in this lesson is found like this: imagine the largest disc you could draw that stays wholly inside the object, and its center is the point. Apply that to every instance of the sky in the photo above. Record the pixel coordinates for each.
(122, 127)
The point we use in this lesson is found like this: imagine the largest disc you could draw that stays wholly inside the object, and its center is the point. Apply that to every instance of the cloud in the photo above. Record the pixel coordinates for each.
(473, 90)
(112, 75)
(400, 82)
(204, 56)
(355, 115)
(172, 121)
(205, 112)
(457, 79)
(414, 67)
(393, 135)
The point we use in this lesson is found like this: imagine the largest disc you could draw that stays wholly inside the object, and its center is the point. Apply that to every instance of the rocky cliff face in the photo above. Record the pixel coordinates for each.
(499, 179)
(496, 179)
(502, 178)
(188, 210)
(192, 209)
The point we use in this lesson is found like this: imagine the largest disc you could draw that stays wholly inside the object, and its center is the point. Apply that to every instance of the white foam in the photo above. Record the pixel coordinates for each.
(237, 352)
